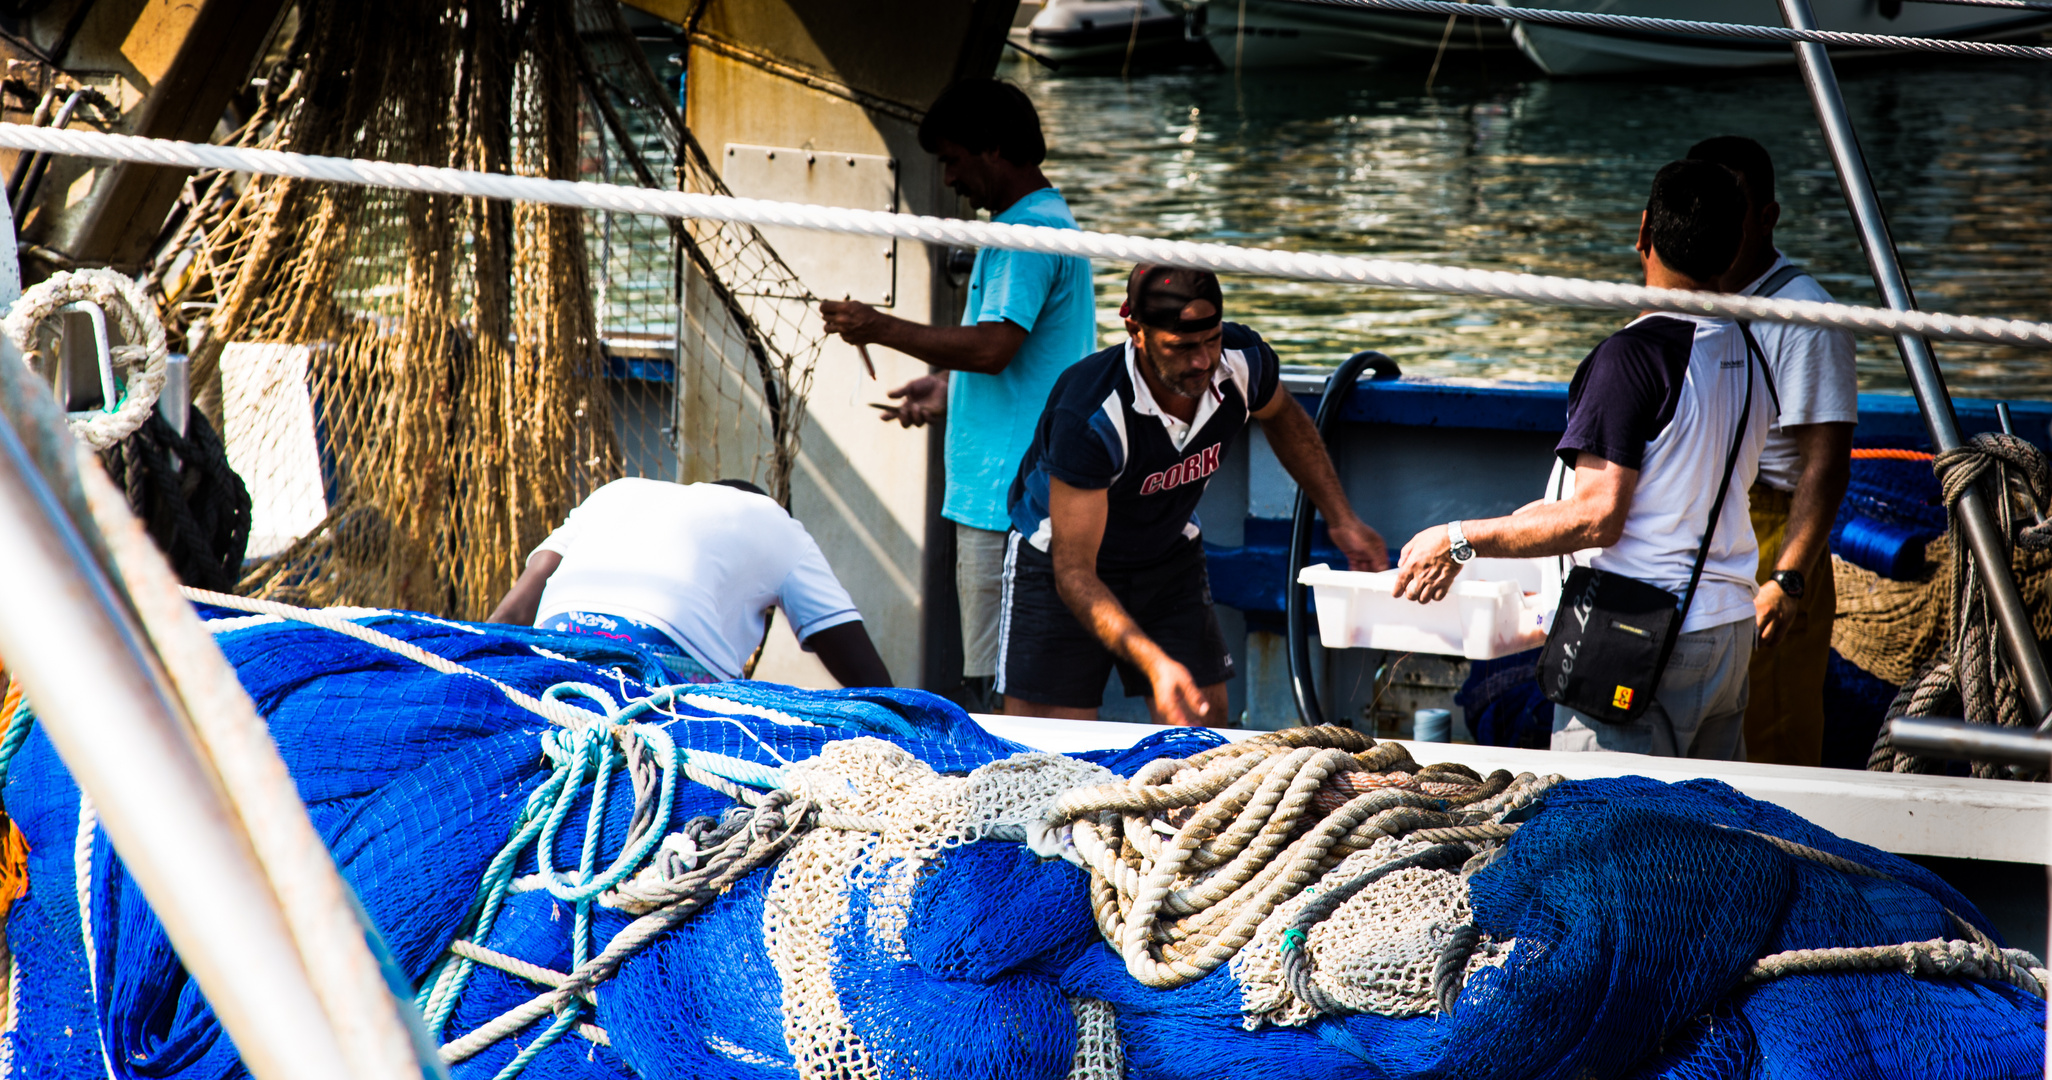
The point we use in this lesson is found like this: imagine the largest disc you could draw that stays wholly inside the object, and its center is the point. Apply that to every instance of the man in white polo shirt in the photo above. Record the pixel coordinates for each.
(1651, 418)
(1803, 476)
(691, 571)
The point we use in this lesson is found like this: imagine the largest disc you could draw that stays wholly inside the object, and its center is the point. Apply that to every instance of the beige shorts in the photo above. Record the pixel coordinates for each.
(979, 584)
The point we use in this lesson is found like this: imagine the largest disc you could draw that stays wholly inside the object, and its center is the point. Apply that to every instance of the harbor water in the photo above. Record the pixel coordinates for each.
(1500, 168)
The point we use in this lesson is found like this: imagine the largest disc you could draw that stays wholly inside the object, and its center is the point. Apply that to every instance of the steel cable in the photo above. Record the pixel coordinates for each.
(1696, 28)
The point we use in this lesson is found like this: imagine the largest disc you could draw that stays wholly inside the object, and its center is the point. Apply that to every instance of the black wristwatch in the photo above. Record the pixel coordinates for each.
(1791, 582)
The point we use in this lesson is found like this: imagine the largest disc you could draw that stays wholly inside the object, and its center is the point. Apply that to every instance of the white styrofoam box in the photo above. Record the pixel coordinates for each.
(1496, 607)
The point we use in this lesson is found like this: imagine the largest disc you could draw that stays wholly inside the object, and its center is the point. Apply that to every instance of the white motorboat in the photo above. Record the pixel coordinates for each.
(1561, 50)
(1105, 31)
(1294, 33)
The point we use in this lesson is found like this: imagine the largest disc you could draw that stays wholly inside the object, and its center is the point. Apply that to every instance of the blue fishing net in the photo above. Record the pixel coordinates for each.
(1637, 909)
(1891, 510)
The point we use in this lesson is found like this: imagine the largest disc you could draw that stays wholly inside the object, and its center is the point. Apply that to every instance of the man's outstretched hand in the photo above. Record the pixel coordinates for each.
(1362, 545)
(1175, 696)
(855, 321)
(923, 399)
(1428, 569)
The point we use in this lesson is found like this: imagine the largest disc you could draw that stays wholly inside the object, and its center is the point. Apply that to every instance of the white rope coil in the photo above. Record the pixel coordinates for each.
(1306, 266)
(145, 355)
(1696, 28)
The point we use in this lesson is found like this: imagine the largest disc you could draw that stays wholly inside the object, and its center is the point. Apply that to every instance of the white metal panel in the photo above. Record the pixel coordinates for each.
(832, 265)
(268, 424)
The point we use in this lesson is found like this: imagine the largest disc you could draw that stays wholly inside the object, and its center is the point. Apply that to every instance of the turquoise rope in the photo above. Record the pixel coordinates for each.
(736, 769)
(589, 754)
(17, 733)
(557, 1030)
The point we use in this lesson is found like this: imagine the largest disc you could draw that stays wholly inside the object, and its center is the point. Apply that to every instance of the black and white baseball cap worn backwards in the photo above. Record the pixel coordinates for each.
(1157, 296)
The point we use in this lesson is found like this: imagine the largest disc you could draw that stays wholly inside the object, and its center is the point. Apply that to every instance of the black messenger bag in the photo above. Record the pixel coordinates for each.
(1612, 634)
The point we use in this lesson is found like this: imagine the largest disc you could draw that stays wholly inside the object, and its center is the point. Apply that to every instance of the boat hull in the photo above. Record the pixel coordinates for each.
(1560, 50)
(1289, 33)
(1088, 32)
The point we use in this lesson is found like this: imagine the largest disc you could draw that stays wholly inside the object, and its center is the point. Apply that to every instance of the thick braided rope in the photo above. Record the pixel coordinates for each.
(1848, 866)
(1971, 677)
(1741, 31)
(1449, 972)
(1464, 834)
(1959, 468)
(1420, 277)
(1240, 853)
(1938, 958)
(511, 965)
(133, 314)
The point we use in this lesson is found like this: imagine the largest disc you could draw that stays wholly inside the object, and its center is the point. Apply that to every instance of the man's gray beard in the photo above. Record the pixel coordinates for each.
(1173, 387)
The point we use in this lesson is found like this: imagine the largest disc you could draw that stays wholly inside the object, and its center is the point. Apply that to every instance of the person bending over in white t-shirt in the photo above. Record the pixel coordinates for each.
(691, 571)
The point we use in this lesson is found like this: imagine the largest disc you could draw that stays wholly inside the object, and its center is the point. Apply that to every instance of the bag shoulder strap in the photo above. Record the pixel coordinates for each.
(1738, 440)
(1775, 282)
(1766, 369)
(1779, 280)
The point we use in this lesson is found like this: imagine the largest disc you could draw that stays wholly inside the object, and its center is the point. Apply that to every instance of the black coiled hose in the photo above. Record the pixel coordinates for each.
(1337, 389)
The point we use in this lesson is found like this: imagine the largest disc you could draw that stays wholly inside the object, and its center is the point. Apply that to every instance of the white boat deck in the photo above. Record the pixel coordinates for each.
(1909, 815)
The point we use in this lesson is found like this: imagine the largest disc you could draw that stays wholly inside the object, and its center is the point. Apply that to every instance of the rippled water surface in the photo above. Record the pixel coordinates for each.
(1549, 176)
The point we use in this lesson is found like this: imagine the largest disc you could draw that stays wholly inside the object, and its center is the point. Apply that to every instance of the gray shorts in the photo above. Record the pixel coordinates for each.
(1699, 710)
(979, 584)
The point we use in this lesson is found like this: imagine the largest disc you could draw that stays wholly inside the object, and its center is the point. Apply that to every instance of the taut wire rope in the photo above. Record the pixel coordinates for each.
(1696, 28)
(1306, 266)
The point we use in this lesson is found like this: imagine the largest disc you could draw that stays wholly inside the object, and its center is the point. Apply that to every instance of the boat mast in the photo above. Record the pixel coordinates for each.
(1976, 517)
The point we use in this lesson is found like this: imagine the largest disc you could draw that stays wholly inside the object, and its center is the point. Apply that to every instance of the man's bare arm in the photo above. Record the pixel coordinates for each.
(985, 348)
(1594, 516)
(1826, 452)
(850, 657)
(1294, 438)
(524, 598)
(1076, 518)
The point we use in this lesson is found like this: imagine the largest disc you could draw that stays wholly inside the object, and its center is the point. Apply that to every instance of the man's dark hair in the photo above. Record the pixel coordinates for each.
(1695, 218)
(744, 486)
(1743, 156)
(985, 114)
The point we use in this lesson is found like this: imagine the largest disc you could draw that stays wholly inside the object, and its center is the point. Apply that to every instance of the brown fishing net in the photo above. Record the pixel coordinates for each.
(417, 388)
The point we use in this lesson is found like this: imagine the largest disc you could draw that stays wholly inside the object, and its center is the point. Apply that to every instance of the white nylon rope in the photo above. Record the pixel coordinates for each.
(1306, 266)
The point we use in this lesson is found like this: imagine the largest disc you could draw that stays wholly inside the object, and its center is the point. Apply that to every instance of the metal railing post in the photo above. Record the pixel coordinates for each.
(100, 697)
(1976, 517)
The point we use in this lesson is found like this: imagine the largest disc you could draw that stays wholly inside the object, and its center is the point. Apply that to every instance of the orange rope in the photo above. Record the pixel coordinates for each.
(14, 876)
(14, 848)
(1877, 454)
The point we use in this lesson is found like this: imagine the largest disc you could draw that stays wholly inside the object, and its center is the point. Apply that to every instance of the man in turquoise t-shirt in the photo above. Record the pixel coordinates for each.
(1027, 319)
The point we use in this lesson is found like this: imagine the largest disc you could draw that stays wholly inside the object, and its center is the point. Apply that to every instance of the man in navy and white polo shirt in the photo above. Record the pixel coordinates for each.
(1651, 415)
(1104, 566)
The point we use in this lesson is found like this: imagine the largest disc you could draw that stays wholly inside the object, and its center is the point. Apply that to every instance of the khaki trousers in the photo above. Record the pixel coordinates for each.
(1785, 711)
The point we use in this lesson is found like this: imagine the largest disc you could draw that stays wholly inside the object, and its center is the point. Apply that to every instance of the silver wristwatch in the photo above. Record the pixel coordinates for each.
(1462, 550)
